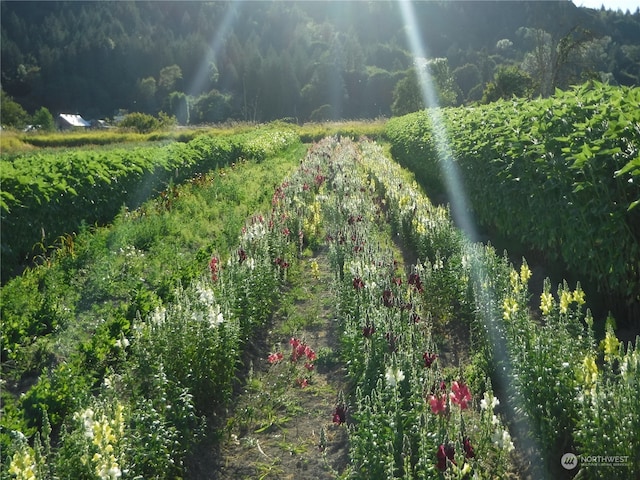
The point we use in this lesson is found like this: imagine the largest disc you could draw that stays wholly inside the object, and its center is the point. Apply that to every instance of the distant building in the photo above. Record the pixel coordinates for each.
(67, 121)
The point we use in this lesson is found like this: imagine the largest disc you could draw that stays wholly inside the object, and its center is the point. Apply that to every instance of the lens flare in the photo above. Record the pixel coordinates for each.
(462, 216)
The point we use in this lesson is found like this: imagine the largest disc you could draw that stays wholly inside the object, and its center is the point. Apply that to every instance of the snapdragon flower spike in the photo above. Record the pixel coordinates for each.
(445, 453)
(468, 448)
(438, 404)
(387, 298)
(275, 357)
(358, 283)
(414, 279)
(368, 330)
(242, 255)
(460, 395)
(429, 358)
(340, 415)
(214, 268)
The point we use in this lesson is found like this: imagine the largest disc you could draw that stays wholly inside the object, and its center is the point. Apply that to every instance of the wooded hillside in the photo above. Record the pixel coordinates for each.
(258, 61)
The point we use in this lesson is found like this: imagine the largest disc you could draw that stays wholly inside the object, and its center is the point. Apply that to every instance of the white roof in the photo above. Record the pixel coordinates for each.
(74, 120)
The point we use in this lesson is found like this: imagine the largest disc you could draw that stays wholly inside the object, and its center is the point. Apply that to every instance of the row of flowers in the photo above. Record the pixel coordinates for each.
(406, 410)
(569, 389)
(178, 364)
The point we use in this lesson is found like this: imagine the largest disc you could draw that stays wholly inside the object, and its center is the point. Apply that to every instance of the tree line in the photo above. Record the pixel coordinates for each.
(260, 61)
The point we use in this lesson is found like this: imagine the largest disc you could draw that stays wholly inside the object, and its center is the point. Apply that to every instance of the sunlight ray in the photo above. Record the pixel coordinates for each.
(463, 218)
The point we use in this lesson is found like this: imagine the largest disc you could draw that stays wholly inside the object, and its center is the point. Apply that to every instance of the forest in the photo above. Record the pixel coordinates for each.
(209, 62)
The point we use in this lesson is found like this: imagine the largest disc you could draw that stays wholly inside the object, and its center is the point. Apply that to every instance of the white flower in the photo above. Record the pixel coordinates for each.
(205, 294)
(393, 376)
(489, 402)
(502, 439)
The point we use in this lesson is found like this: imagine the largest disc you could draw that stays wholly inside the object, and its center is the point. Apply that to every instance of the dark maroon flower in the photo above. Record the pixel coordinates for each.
(388, 298)
(242, 255)
(414, 279)
(358, 283)
(450, 452)
(429, 358)
(340, 415)
(441, 456)
(468, 448)
(368, 330)
(415, 318)
(392, 341)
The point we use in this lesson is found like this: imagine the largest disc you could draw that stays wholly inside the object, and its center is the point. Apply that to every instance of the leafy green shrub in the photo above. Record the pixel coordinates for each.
(139, 122)
(559, 175)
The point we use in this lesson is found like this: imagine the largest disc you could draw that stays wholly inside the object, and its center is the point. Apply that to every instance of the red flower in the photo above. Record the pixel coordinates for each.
(340, 415)
(438, 404)
(443, 454)
(429, 358)
(303, 382)
(214, 268)
(468, 448)
(311, 355)
(460, 395)
(308, 366)
(275, 357)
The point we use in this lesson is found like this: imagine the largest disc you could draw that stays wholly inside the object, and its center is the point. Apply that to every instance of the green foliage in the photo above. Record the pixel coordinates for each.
(508, 82)
(12, 114)
(139, 122)
(44, 119)
(295, 60)
(46, 195)
(559, 175)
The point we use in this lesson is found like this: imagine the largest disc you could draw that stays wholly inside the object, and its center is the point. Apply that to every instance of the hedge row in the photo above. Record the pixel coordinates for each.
(46, 195)
(560, 175)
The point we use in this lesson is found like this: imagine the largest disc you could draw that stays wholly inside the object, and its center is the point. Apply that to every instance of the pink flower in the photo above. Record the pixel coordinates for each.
(460, 395)
(275, 357)
(303, 382)
(308, 366)
(214, 268)
(438, 404)
(311, 355)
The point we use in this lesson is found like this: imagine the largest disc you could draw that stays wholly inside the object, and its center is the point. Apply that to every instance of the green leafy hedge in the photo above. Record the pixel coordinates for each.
(560, 175)
(45, 195)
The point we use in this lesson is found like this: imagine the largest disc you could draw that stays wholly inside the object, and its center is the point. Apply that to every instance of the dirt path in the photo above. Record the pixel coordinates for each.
(281, 427)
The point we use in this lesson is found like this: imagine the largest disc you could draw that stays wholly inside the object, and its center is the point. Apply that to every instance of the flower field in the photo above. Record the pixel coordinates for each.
(134, 372)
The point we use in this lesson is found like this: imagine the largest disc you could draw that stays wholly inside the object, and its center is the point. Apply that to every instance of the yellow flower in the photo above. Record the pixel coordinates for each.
(315, 269)
(514, 279)
(509, 308)
(23, 465)
(578, 295)
(525, 273)
(610, 344)
(565, 299)
(546, 303)
(590, 371)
